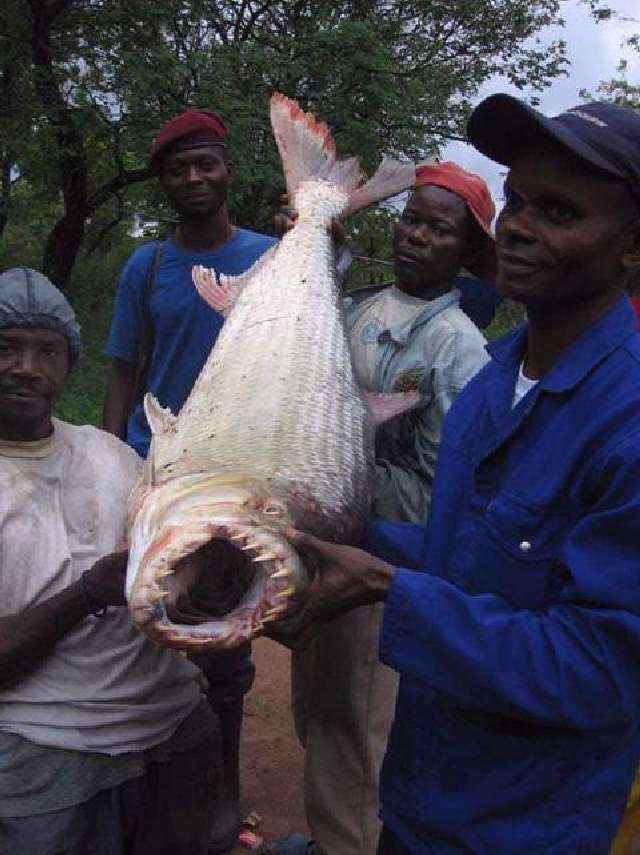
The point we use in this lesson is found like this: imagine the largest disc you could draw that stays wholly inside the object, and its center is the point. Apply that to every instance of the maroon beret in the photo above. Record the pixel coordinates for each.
(194, 128)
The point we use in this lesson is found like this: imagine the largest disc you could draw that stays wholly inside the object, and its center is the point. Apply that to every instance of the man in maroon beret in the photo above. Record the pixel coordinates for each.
(161, 335)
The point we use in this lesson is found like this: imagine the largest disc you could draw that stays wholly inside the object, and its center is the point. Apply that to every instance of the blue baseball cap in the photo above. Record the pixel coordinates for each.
(604, 135)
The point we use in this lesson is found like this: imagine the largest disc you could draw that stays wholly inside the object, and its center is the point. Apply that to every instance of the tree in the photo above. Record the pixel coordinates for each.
(620, 91)
(97, 77)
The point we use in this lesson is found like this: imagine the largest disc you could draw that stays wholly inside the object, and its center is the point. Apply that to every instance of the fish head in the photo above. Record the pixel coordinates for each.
(209, 564)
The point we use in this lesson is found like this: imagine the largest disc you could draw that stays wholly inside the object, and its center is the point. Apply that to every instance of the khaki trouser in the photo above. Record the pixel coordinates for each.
(627, 841)
(343, 703)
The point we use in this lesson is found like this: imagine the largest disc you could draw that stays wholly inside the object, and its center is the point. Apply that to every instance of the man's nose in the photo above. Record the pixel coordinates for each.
(514, 225)
(193, 174)
(420, 234)
(26, 364)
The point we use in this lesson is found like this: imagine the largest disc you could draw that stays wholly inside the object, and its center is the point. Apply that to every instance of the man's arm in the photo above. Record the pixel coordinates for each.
(576, 664)
(119, 397)
(28, 637)
(129, 330)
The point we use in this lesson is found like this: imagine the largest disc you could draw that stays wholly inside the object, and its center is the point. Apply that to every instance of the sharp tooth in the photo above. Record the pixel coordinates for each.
(266, 556)
(156, 596)
(239, 537)
(271, 613)
(251, 544)
(162, 573)
(281, 574)
(287, 592)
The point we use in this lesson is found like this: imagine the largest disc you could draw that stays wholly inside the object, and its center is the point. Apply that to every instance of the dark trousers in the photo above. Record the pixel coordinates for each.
(230, 675)
(167, 811)
(389, 844)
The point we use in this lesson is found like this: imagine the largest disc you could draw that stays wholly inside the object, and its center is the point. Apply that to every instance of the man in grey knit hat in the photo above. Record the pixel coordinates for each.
(106, 744)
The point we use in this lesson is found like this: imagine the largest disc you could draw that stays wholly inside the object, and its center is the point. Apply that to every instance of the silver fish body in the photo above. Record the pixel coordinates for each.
(275, 433)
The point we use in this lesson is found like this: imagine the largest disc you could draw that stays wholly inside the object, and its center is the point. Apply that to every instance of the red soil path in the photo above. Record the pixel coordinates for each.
(271, 756)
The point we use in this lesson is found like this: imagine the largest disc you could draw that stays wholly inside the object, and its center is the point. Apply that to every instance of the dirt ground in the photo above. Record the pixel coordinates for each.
(271, 757)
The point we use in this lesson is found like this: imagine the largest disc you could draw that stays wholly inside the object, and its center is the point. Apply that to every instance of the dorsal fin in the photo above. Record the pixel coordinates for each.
(161, 419)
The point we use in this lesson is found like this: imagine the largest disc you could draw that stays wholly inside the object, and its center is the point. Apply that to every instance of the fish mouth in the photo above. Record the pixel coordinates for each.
(208, 568)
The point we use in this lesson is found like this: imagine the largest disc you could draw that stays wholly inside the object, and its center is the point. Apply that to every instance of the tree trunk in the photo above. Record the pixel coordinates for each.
(66, 236)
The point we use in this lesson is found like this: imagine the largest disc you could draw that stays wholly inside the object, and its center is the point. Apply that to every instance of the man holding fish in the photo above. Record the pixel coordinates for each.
(518, 643)
(162, 333)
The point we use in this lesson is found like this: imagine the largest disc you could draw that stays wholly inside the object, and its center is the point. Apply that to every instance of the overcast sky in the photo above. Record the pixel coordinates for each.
(594, 51)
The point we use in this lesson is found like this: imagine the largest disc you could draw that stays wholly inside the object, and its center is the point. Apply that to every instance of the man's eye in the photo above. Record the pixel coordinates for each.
(559, 212)
(409, 219)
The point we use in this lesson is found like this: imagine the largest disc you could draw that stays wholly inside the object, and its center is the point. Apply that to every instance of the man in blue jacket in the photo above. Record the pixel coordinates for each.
(517, 727)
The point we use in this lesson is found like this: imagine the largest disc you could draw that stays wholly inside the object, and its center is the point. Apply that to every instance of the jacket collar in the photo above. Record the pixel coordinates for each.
(594, 345)
(400, 333)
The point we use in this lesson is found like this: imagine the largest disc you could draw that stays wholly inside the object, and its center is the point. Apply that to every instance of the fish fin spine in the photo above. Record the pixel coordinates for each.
(385, 406)
(161, 419)
(392, 177)
(221, 294)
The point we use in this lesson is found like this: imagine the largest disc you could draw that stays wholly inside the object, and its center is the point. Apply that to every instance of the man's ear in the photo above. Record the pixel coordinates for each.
(228, 162)
(631, 254)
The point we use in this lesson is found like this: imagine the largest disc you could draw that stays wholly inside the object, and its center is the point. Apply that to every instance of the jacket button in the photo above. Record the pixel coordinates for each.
(525, 546)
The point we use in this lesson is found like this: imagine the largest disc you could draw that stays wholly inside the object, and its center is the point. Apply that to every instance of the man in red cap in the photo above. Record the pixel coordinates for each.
(411, 335)
(161, 335)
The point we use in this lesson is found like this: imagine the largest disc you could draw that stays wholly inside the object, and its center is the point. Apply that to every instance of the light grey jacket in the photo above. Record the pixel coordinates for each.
(437, 352)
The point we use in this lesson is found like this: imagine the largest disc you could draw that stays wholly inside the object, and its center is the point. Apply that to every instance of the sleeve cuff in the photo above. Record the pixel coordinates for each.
(400, 615)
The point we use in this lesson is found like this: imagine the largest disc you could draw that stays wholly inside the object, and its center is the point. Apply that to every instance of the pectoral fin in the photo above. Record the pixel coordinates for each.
(385, 406)
(222, 292)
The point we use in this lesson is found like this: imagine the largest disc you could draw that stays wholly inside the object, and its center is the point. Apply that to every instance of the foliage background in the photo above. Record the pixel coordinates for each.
(85, 84)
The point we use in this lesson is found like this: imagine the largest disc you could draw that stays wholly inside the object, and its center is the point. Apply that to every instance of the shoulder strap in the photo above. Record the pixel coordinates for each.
(147, 338)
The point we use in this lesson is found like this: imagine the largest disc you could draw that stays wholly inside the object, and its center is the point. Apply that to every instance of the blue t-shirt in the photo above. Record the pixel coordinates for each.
(184, 326)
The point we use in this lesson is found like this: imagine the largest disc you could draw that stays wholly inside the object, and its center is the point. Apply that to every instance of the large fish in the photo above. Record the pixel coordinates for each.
(275, 431)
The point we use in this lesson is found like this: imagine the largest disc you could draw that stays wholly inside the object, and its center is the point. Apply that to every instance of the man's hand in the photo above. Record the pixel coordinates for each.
(104, 581)
(343, 578)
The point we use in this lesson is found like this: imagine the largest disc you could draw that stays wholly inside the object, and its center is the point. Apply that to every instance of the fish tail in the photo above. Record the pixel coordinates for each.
(308, 151)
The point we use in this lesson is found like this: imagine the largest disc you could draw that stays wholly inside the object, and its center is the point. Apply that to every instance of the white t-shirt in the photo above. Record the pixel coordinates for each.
(104, 688)
(524, 384)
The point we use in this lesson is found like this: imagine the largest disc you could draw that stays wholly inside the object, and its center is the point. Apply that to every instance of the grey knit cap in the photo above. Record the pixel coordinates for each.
(29, 299)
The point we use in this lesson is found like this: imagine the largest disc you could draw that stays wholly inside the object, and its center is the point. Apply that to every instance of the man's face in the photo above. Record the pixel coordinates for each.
(196, 181)
(34, 364)
(430, 240)
(564, 233)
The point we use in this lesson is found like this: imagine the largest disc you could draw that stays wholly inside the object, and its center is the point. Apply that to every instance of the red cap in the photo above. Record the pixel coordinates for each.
(193, 129)
(472, 190)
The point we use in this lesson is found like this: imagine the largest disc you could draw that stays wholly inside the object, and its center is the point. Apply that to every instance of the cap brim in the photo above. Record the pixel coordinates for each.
(501, 125)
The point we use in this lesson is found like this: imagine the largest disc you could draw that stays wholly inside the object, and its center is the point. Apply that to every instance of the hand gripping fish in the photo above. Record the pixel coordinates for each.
(275, 431)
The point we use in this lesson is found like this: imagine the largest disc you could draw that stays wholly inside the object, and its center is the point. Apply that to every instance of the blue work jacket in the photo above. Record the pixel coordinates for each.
(517, 724)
